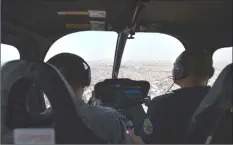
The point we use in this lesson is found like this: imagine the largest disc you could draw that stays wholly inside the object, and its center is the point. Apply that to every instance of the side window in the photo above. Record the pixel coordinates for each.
(8, 53)
(221, 58)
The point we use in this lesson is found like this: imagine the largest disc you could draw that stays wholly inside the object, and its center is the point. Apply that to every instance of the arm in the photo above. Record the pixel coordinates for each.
(103, 121)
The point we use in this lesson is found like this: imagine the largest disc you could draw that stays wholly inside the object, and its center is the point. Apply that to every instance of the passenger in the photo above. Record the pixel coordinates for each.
(168, 115)
(103, 121)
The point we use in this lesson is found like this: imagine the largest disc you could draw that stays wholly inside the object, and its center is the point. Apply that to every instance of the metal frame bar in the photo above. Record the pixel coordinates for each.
(120, 46)
(122, 39)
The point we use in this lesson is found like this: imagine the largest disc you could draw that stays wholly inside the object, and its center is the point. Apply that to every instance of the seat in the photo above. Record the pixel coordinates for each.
(212, 120)
(17, 76)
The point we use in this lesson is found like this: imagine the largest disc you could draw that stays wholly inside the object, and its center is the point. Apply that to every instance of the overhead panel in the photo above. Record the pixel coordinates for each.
(97, 14)
(91, 19)
(97, 19)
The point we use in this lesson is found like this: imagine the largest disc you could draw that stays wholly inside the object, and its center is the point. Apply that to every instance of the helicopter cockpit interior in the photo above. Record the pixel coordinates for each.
(32, 26)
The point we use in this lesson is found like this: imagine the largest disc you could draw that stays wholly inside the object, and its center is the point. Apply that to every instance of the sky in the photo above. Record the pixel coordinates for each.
(101, 46)
(96, 45)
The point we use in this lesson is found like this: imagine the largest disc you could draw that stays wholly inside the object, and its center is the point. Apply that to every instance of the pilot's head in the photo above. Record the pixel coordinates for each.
(75, 70)
(193, 69)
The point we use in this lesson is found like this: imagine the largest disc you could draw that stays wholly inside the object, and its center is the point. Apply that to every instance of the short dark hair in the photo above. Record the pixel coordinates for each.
(74, 68)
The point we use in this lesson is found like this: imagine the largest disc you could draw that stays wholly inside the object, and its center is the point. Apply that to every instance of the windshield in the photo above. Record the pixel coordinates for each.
(150, 56)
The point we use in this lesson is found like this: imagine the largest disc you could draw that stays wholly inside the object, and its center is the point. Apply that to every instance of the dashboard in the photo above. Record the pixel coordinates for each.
(121, 93)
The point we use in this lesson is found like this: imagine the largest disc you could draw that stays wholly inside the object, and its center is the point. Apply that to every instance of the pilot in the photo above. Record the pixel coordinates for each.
(168, 115)
(103, 121)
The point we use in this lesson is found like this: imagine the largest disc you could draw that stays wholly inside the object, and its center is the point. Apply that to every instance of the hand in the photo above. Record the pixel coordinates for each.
(134, 138)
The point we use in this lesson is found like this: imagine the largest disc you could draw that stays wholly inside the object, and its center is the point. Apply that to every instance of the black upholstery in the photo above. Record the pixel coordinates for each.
(69, 128)
(212, 121)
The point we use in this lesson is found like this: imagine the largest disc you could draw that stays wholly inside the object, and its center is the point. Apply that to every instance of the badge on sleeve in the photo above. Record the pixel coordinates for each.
(147, 126)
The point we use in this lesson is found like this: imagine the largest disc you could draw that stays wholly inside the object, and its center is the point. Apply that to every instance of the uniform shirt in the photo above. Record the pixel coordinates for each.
(168, 115)
(104, 122)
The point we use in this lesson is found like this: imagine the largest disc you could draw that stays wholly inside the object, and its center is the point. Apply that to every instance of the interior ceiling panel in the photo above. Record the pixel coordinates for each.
(198, 11)
(41, 16)
(205, 17)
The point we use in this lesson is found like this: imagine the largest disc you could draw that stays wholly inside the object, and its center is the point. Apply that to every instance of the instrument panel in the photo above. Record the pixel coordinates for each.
(121, 93)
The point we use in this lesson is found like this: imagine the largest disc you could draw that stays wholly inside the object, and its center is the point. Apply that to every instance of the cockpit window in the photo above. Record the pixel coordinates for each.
(8, 53)
(221, 58)
(96, 47)
(150, 56)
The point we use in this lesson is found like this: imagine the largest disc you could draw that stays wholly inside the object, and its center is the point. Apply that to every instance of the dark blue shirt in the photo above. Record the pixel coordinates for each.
(168, 115)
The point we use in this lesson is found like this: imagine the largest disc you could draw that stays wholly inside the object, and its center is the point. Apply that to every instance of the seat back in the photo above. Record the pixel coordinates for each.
(17, 76)
(212, 120)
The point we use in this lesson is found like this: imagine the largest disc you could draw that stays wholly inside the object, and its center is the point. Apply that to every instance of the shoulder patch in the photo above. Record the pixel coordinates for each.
(147, 126)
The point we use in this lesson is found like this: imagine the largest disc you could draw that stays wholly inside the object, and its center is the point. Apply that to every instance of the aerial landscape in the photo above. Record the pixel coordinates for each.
(157, 73)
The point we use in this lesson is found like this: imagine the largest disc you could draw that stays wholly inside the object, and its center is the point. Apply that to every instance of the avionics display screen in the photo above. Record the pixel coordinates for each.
(127, 95)
(132, 91)
(121, 93)
(121, 96)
